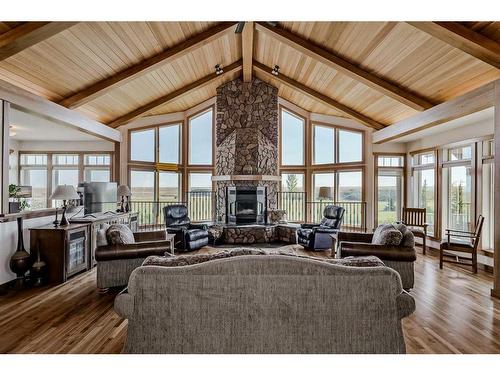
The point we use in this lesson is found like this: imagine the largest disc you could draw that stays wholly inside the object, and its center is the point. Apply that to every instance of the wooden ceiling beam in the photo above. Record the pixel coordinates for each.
(247, 50)
(28, 34)
(463, 105)
(318, 53)
(463, 38)
(318, 96)
(122, 120)
(106, 85)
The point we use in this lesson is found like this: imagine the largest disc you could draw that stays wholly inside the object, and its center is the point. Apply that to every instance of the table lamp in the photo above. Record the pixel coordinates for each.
(64, 193)
(122, 192)
(325, 192)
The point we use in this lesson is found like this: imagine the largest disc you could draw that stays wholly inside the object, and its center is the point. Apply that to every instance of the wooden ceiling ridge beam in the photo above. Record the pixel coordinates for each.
(247, 37)
(181, 49)
(318, 96)
(122, 120)
(332, 60)
(28, 34)
(463, 38)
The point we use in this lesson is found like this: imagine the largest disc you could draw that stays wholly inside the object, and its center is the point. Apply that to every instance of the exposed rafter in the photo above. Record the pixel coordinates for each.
(28, 34)
(102, 87)
(247, 50)
(173, 95)
(463, 38)
(318, 96)
(328, 58)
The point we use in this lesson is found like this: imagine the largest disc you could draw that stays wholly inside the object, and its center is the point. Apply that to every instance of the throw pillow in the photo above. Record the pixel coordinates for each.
(120, 234)
(378, 232)
(101, 239)
(408, 237)
(388, 235)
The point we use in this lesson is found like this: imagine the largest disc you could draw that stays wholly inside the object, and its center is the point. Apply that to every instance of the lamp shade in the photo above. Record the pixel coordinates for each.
(325, 192)
(123, 190)
(65, 192)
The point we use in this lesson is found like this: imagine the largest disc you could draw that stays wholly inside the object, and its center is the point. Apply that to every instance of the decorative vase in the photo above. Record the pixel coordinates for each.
(20, 261)
(38, 269)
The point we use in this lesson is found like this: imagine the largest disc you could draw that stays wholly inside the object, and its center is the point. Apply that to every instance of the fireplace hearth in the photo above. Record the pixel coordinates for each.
(246, 205)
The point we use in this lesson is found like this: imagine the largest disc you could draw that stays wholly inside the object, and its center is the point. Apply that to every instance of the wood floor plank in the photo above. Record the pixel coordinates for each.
(455, 314)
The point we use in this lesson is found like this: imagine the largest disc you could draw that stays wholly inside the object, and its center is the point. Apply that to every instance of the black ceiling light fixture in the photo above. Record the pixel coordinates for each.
(218, 69)
(275, 71)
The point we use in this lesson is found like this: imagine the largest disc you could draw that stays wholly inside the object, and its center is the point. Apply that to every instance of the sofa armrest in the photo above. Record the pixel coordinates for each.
(325, 230)
(355, 237)
(157, 235)
(131, 251)
(405, 304)
(309, 226)
(383, 252)
(198, 226)
(124, 304)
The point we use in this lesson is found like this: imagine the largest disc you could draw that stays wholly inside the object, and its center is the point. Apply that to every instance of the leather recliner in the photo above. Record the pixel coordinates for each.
(188, 236)
(318, 236)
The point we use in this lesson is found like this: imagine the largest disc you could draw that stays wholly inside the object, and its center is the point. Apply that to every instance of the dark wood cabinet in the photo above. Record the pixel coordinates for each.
(64, 249)
(70, 249)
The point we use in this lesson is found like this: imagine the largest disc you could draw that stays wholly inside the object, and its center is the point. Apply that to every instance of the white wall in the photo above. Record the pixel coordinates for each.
(66, 146)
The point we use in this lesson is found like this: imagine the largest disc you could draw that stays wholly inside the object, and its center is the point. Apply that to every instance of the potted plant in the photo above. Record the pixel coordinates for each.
(16, 204)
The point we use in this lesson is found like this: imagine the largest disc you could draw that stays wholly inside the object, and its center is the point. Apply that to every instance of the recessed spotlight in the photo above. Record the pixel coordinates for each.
(276, 70)
(218, 69)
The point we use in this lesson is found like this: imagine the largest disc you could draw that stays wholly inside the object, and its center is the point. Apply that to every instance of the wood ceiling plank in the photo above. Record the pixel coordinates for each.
(318, 53)
(28, 34)
(104, 86)
(318, 96)
(173, 95)
(247, 50)
(463, 38)
(471, 102)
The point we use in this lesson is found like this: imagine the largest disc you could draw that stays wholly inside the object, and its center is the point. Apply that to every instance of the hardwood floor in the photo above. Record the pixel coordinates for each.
(455, 314)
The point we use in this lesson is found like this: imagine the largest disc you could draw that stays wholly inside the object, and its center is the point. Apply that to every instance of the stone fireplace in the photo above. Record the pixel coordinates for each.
(246, 141)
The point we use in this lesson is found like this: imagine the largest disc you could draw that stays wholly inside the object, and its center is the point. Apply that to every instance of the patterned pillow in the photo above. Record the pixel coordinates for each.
(120, 234)
(408, 237)
(101, 239)
(388, 235)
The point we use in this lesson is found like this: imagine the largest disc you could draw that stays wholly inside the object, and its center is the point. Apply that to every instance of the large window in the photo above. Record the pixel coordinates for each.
(350, 146)
(293, 199)
(169, 144)
(44, 172)
(200, 138)
(324, 144)
(424, 186)
(142, 145)
(390, 188)
(488, 195)
(292, 139)
(33, 172)
(457, 188)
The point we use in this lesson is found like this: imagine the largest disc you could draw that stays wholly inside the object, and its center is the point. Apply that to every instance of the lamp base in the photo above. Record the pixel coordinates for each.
(64, 221)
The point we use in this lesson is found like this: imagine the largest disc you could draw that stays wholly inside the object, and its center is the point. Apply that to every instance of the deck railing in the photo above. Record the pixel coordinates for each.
(298, 210)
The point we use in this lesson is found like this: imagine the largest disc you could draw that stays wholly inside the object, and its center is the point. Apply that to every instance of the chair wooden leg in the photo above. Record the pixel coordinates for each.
(441, 258)
(423, 245)
(474, 262)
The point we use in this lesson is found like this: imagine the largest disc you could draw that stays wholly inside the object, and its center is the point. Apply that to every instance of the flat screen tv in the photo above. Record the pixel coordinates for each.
(98, 196)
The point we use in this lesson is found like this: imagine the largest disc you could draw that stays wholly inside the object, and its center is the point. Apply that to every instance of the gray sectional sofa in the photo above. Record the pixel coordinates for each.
(264, 304)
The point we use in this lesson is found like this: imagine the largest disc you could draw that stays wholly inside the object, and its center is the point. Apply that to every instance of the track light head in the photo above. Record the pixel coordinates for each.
(218, 69)
(276, 70)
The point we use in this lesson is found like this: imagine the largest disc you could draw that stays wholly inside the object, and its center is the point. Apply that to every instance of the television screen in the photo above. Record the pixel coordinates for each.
(99, 196)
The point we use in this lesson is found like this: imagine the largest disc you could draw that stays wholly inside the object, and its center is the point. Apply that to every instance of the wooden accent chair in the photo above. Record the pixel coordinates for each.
(463, 242)
(415, 220)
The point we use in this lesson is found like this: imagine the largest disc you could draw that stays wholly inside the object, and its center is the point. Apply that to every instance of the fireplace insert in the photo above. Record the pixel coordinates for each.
(246, 205)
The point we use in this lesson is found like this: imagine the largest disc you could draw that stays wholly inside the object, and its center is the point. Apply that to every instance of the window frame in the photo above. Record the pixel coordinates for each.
(399, 169)
(280, 139)
(50, 167)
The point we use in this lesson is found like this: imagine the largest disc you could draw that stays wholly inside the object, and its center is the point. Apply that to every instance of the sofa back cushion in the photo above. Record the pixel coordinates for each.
(120, 234)
(387, 234)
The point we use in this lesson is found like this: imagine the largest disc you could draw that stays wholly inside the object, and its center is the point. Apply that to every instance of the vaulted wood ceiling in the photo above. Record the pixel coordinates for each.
(376, 72)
